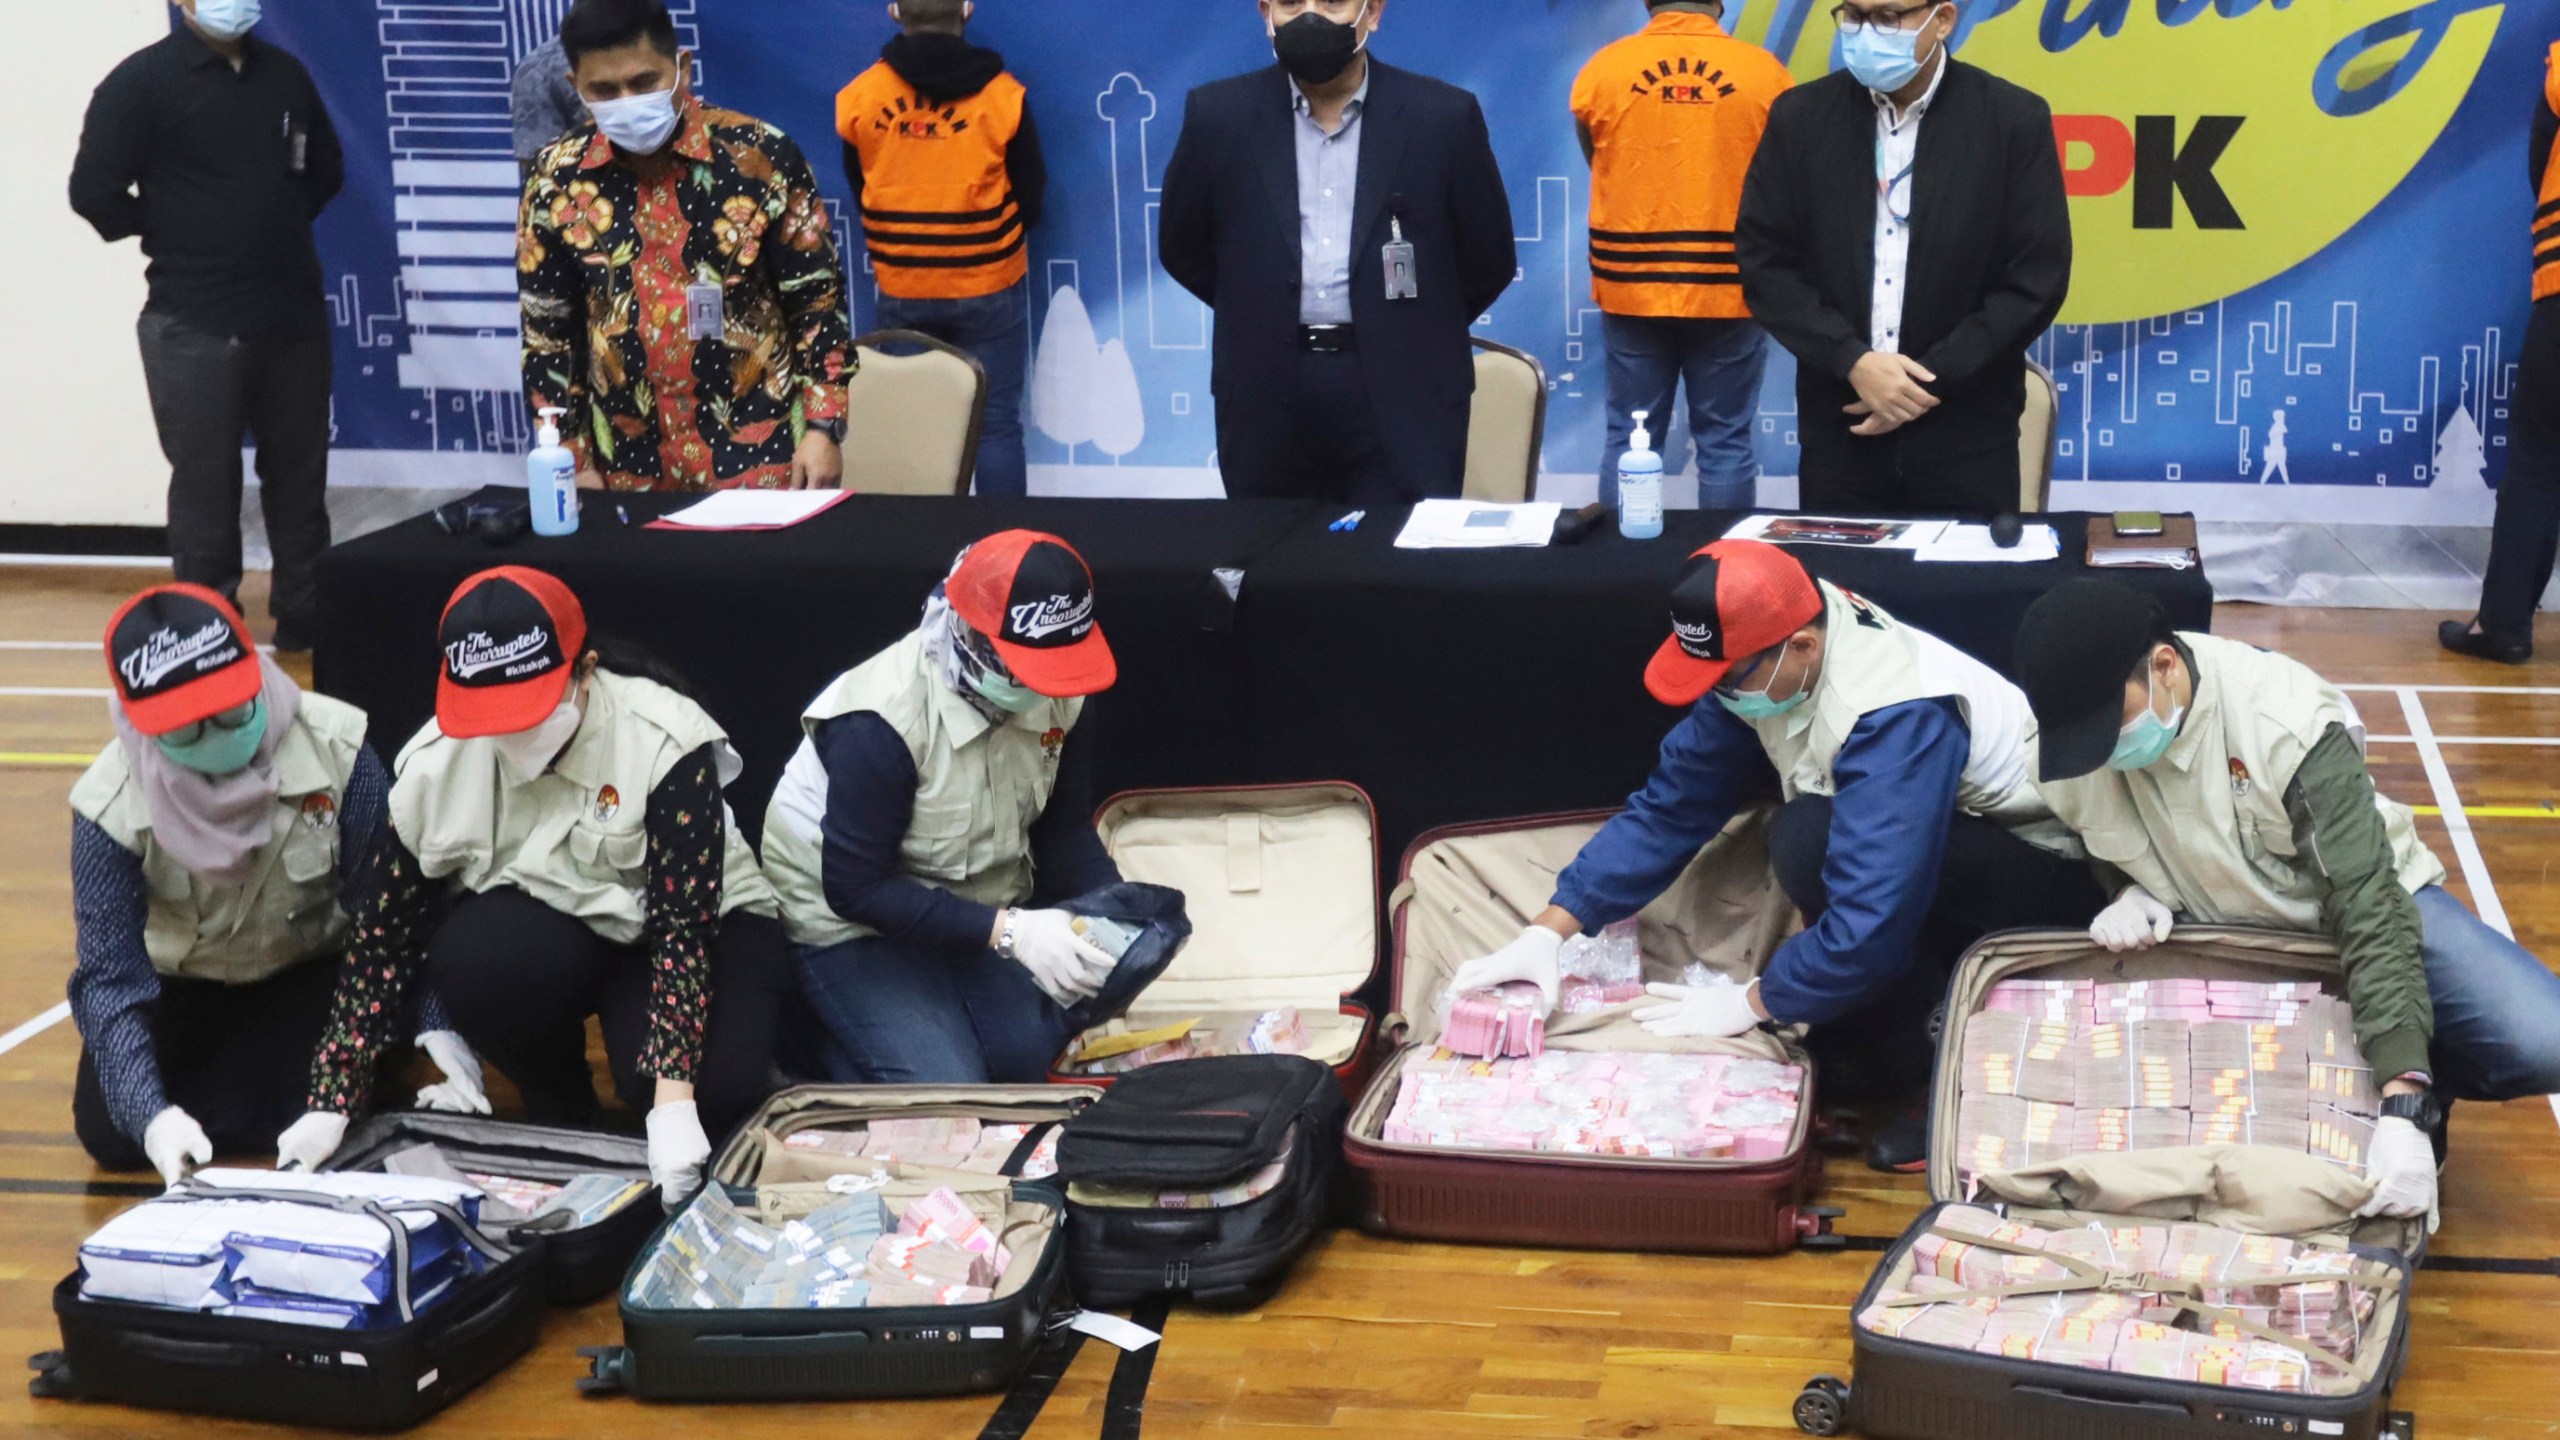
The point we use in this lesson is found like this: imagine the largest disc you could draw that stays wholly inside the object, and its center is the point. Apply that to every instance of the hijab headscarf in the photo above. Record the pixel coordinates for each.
(215, 825)
(958, 651)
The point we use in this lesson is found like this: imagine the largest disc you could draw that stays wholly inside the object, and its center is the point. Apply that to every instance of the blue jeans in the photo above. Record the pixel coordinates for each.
(996, 329)
(2497, 1007)
(1720, 361)
(895, 1013)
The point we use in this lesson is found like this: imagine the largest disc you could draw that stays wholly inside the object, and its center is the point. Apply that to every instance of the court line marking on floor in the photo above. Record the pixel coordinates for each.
(2467, 740)
(28, 760)
(2489, 812)
(48, 645)
(33, 1028)
(2457, 825)
(53, 692)
(88, 562)
(2457, 689)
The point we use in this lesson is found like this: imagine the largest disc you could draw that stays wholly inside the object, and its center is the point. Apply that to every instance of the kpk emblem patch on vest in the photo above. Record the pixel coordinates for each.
(1052, 741)
(608, 803)
(2240, 783)
(319, 812)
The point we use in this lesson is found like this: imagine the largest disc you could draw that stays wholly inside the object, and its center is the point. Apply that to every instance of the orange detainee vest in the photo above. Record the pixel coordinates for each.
(938, 211)
(1675, 113)
(2546, 215)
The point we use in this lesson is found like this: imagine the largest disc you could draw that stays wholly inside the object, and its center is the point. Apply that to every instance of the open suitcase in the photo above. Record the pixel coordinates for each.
(1281, 885)
(1466, 891)
(582, 1263)
(1906, 1390)
(860, 1353)
(383, 1379)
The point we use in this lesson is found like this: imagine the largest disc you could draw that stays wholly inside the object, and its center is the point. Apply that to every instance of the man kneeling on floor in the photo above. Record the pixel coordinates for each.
(1910, 825)
(2221, 784)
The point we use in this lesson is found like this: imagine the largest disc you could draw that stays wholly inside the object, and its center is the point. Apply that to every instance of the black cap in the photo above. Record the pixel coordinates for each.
(2077, 647)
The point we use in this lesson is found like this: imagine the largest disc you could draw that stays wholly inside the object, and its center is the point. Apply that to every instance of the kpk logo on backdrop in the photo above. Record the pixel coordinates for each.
(2208, 145)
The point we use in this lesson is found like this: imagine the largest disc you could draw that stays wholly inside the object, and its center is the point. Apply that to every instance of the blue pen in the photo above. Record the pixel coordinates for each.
(1348, 522)
(625, 514)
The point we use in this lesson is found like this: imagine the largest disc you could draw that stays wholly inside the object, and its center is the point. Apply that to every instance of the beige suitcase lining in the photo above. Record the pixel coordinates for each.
(790, 1183)
(2253, 1188)
(1469, 895)
(1281, 886)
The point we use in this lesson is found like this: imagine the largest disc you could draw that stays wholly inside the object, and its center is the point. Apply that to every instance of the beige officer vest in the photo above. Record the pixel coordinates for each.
(979, 787)
(1872, 661)
(284, 914)
(575, 839)
(2205, 828)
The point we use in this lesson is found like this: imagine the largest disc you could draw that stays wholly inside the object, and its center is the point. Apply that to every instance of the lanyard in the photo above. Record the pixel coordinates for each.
(1886, 185)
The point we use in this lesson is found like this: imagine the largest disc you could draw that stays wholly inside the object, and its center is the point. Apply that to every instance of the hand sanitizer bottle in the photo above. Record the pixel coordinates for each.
(1640, 486)
(551, 474)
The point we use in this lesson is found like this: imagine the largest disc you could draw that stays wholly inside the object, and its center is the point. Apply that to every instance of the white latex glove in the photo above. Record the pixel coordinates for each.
(677, 1151)
(1066, 966)
(1716, 1011)
(176, 1144)
(310, 1140)
(2135, 921)
(1532, 957)
(2402, 1167)
(461, 1092)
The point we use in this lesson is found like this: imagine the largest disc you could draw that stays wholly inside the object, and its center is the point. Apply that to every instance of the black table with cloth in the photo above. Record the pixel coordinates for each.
(1451, 685)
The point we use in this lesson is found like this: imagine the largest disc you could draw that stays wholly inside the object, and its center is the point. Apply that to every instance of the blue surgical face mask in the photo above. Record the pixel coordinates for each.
(1756, 704)
(1882, 59)
(226, 19)
(218, 751)
(1011, 696)
(2140, 745)
(637, 124)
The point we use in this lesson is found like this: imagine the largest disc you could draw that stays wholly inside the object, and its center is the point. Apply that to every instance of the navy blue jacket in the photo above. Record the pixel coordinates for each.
(1229, 234)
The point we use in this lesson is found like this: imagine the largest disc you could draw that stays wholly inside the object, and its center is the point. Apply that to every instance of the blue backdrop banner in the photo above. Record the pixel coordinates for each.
(2302, 231)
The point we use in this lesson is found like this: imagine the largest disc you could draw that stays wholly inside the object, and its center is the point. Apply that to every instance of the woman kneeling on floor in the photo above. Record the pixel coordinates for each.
(210, 842)
(559, 849)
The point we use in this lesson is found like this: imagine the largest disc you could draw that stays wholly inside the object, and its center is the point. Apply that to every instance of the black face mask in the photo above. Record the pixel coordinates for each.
(1314, 50)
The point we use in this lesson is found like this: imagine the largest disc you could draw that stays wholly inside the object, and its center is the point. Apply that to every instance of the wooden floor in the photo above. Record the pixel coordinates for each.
(1377, 1338)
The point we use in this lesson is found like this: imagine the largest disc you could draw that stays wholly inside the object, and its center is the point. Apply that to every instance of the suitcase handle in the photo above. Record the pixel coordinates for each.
(2098, 1402)
(224, 1353)
(822, 1343)
(464, 1331)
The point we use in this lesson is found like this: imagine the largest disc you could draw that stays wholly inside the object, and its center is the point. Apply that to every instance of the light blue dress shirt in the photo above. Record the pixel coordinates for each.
(1328, 179)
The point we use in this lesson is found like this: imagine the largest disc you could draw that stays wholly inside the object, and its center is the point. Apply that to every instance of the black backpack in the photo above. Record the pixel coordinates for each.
(1198, 1127)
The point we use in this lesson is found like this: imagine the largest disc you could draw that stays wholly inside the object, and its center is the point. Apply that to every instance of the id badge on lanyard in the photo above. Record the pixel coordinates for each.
(1404, 281)
(705, 312)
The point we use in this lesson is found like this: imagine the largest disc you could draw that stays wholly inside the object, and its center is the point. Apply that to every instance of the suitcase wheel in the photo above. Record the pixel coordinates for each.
(609, 1371)
(53, 1379)
(2400, 1425)
(1813, 1228)
(1823, 1406)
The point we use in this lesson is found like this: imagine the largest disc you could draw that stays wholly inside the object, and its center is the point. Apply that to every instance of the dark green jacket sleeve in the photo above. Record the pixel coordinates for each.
(2339, 834)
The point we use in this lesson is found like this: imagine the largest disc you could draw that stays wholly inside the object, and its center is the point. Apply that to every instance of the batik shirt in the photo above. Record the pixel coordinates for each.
(607, 247)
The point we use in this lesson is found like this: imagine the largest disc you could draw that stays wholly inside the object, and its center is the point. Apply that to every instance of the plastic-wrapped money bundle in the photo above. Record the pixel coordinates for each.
(915, 1260)
(2278, 1002)
(1600, 971)
(1507, 1021)
(1975, 1267)
(2339, 1136)
(2125, 1001)
(2132, 1065)
(996, 1144)
(2045, 1333)
(2095, 1132)
(942, 1141)
(1952, 1327)
(943, 1217)
(707, 1258)
(1277, 1032)
(1656, 1106)
(2250, 1084)
(2198, 1254)
(2339, 1075)
(848, 1143)
(2059, 1002)
(1996, 1133)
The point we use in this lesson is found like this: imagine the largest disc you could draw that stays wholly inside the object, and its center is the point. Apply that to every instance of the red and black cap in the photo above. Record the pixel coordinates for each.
(180, 654)
(2078, 647)
(1032, 594)
(1734, 599)
(511, 639)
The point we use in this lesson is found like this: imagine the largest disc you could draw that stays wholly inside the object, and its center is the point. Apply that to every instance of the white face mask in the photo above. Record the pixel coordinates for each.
(524, 756)
(637, 124)
(226, 19)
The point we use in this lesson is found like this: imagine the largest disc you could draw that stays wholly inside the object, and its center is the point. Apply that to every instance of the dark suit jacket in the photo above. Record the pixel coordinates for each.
(1990, 254)
(1229, 234)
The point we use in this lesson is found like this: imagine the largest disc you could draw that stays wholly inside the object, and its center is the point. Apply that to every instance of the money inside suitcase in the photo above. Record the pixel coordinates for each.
(812, 1266)
(1612, 1137)
(1281, 886)
(2227, 1280)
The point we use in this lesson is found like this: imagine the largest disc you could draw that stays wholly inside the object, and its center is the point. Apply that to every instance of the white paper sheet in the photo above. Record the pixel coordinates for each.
(1805, 530)
(1474, 525)
(1973, 545)
(750, 510)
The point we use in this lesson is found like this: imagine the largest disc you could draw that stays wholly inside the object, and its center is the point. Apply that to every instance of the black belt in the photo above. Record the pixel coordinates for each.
(1328, 339)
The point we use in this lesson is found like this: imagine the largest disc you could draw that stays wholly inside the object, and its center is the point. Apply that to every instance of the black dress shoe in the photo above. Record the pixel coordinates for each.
(1901, 1144)
(2460, 638)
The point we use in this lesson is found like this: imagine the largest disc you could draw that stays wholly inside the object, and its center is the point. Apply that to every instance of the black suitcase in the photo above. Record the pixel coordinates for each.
(854, 1354)
(1200, 1126)
(388, 1379)
(1906, 1390)
(580, 1265)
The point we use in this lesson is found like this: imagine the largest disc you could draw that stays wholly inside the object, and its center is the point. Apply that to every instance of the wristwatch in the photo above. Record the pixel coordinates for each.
(2423, 1110)
(1004, 936)
(832, 429)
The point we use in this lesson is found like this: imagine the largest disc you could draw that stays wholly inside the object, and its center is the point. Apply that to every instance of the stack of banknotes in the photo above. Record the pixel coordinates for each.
(2051, 1069)
(951, 1143)
(2298, 1290)
(1109, 1050)
(1504, 1022)
(716, 1256)
(1651, 1106)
